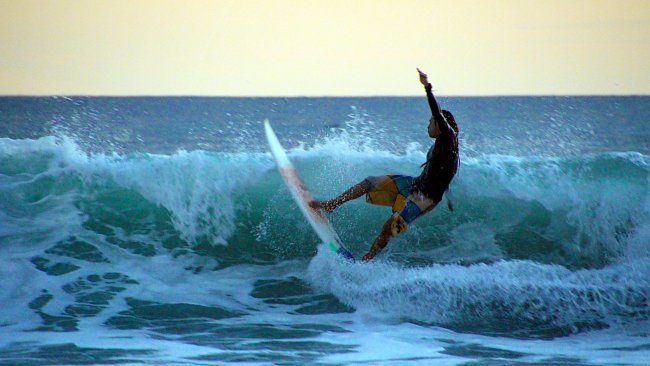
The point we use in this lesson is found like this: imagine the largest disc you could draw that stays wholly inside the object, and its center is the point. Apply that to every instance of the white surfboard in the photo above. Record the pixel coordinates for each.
(302, 196)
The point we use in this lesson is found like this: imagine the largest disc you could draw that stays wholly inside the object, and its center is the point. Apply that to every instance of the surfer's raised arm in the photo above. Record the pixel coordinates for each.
(436, 112)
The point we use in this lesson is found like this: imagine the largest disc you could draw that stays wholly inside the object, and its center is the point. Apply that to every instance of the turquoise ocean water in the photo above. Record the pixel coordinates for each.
(157, 231)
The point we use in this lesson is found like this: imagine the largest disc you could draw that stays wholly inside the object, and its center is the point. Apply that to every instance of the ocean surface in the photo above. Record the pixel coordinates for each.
(158, 231)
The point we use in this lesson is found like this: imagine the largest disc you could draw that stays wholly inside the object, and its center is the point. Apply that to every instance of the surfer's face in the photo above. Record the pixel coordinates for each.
(434, 131)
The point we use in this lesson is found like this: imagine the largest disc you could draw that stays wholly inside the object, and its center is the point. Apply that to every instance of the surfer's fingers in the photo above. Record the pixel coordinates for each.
(424, 79)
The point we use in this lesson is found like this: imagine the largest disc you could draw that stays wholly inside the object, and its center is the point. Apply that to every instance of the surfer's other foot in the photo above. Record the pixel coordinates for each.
(324, 205)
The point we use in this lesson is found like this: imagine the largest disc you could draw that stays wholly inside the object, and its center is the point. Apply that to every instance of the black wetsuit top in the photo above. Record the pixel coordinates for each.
(442, 158)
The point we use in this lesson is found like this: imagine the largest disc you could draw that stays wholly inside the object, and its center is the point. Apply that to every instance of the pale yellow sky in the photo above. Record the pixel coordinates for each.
(316, 48)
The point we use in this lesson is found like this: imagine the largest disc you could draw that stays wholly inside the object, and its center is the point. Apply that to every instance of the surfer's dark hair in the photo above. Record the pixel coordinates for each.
(450, 119)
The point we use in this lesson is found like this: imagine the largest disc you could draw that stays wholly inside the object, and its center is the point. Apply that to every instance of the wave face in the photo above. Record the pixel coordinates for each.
(536, 240)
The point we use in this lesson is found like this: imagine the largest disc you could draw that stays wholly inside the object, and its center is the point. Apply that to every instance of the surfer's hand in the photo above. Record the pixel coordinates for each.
(424, 79)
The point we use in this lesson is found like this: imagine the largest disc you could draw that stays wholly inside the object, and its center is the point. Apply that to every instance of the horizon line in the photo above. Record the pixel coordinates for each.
(310, 96)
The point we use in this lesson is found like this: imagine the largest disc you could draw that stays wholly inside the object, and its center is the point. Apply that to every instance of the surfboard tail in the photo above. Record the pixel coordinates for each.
(345, 254)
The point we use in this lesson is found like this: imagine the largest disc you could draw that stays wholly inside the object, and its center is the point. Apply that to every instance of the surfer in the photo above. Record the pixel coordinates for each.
(410, 197)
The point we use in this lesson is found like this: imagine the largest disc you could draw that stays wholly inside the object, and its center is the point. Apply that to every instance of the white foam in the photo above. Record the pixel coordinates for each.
(527, 291)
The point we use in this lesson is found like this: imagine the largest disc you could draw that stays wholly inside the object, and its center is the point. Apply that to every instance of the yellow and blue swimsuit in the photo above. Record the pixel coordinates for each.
(396, 191)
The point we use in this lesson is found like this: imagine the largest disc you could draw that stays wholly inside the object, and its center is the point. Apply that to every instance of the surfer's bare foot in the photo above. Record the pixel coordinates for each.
(326, 206)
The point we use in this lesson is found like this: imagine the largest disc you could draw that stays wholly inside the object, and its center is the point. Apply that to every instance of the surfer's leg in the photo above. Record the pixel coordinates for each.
(405, 211)
(381, 241)
(353, 192)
